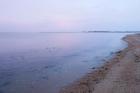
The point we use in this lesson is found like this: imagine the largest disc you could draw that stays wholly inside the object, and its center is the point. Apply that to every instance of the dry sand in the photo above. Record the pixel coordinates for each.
(120, 74)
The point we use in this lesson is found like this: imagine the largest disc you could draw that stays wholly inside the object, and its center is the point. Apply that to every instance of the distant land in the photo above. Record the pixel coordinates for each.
(97, 32)
(112, 31)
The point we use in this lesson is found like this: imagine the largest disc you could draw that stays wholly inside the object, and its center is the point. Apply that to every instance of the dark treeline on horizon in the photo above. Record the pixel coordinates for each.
(97, 32)
(112, 31)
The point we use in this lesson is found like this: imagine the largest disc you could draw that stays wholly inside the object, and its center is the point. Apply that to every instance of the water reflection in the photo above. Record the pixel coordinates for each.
(43, 63)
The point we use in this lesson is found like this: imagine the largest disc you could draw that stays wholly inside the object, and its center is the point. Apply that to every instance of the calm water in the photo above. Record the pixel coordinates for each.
(45, 62)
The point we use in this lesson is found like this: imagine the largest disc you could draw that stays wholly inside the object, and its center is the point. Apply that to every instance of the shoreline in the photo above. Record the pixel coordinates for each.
(111, 74)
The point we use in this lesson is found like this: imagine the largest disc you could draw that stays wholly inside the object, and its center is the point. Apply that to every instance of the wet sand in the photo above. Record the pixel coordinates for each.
(121, 74)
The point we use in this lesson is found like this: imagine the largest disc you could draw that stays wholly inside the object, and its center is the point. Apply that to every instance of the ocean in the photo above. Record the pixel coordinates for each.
(47, 62)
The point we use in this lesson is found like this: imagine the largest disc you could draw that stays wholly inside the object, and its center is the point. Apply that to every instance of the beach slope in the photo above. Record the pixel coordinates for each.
(121, 74)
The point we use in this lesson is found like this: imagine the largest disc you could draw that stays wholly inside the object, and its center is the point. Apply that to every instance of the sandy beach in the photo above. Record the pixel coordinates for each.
(121, 74)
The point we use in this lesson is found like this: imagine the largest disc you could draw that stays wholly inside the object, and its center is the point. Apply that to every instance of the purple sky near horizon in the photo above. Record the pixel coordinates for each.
(69, 15)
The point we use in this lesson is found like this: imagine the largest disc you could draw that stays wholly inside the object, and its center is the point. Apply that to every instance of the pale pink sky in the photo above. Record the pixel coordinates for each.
(69, 15)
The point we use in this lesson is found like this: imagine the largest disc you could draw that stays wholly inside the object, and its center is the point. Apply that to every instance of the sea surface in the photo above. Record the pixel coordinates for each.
(46, 62)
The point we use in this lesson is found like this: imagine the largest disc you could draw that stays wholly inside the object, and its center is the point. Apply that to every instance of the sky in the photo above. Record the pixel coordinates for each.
(69, 15)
